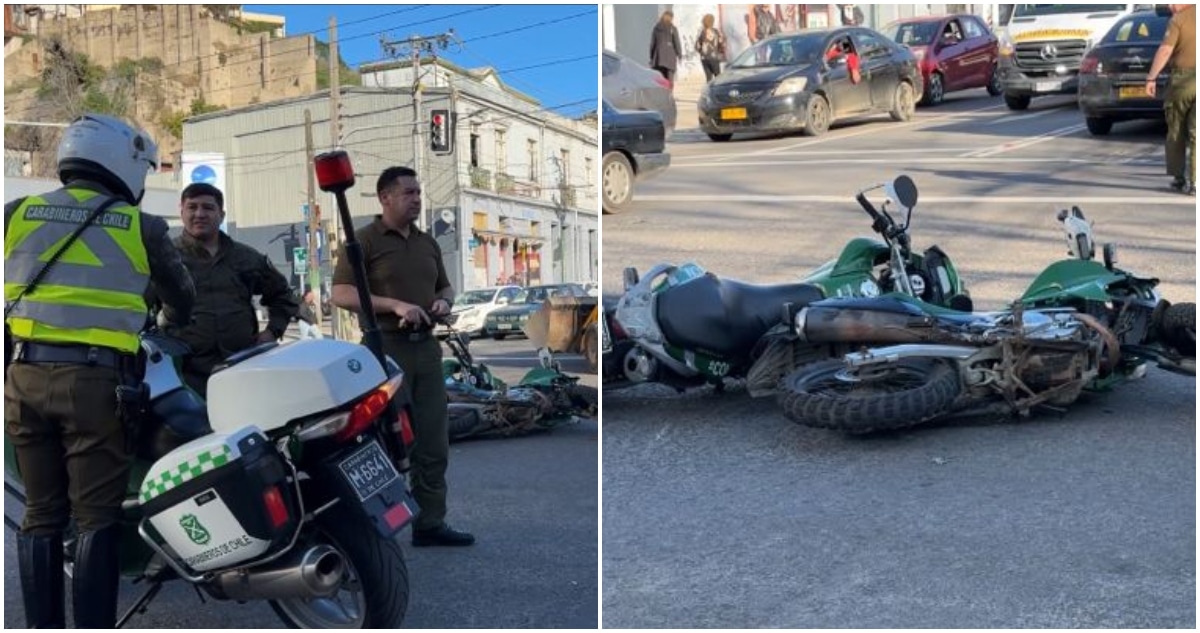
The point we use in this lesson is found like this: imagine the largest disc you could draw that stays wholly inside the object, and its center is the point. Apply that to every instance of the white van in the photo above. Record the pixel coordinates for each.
(1042, 46)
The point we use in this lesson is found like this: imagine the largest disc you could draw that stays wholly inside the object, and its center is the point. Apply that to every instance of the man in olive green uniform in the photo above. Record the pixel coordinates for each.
(408, 283)
(228, 275)
(76, 336)
(1179, 48)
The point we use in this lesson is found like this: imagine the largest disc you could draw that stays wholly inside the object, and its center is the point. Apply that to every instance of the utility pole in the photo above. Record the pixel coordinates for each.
(314, 221)
(342, 329)
(414, 46)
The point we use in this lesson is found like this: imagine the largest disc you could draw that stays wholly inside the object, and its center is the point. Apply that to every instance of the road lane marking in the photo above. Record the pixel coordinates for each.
(834, 152)
(1172, 200)
(952, 160)
(1026, 142)
(1020, 117)
(869, 129)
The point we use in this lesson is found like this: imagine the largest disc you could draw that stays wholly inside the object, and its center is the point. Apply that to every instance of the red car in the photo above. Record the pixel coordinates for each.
(955, 52)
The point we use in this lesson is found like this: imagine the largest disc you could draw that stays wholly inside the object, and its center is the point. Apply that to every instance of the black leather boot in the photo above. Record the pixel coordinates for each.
(40, 559)
(97, 578)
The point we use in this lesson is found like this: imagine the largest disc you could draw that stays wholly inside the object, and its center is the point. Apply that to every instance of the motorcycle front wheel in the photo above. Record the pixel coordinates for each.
(828, 395)
(1179, 323)
(374, 593)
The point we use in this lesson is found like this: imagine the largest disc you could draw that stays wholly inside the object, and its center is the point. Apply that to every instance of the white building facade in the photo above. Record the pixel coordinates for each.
(515, 201)
(527, 196)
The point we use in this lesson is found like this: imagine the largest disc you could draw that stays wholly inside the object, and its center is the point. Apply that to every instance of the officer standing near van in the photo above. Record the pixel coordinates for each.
(78, 262)
(1179, 105)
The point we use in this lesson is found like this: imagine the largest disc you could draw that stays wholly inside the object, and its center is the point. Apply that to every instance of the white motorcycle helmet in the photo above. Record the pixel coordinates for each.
(110, 151)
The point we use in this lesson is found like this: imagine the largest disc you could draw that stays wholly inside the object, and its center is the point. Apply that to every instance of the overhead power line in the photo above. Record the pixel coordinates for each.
(275, 155)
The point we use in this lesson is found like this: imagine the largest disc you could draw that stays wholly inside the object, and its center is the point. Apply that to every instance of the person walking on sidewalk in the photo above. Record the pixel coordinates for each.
(761, 23)
(710, 45)
(1179, 104)
(665, 49)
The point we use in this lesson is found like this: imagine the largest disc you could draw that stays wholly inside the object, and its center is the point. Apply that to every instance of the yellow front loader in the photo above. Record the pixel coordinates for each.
(567, 325)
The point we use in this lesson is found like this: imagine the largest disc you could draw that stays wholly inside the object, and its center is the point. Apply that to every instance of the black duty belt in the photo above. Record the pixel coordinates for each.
(408, 336)
(28, 352)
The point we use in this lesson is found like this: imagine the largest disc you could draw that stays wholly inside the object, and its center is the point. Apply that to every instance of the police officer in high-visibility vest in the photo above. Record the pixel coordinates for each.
(76, 341)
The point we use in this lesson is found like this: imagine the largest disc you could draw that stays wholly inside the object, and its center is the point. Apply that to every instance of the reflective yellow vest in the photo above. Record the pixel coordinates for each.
(94, 295)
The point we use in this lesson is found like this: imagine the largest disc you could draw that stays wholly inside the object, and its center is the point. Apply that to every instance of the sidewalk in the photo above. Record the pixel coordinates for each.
(687, 122)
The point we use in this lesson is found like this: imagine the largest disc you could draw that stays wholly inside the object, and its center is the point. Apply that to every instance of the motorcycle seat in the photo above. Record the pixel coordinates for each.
(175, 419)
(724, 316)
(245, 354)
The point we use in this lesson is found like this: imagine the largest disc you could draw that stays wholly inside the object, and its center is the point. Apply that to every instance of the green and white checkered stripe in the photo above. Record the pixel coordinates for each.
(187, 471)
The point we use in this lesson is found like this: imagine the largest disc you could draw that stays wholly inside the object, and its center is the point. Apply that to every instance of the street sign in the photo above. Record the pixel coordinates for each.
(300, 261)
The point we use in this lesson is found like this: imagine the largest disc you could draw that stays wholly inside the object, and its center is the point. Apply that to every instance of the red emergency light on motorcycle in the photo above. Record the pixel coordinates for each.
(334, 171)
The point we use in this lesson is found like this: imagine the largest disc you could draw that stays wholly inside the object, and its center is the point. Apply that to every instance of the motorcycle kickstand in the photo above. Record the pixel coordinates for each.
(141, 604)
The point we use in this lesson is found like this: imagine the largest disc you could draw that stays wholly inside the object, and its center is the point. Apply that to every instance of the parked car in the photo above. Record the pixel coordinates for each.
(472, 307)
(634, 147)
(629, 85)
(955, 52)
(1112, 77)
(803, 81)
(511, 318)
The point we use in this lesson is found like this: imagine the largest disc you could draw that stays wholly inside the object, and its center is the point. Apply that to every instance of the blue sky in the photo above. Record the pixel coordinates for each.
(565, 50)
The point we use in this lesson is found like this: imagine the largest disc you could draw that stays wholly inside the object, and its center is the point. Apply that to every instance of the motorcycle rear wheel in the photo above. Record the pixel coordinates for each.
(374, 594)
(827, 395)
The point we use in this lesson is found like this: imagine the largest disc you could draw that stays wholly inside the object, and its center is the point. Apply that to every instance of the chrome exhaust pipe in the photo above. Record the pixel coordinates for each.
(314, 573)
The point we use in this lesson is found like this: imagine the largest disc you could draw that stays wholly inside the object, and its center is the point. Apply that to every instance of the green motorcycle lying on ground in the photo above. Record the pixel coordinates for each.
(1081, 326)
(683, 326)
(483, 405)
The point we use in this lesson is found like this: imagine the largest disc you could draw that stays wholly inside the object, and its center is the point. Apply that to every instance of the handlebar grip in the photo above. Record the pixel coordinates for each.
(867, 206)
(880, 223)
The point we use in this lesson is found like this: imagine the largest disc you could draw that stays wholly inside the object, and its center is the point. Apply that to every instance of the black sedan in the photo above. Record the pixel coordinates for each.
(634, 149)
(1112, 77)
(511, 319)
(808, 80)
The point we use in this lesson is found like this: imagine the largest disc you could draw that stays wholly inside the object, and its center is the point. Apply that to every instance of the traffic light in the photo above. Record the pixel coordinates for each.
(441, 131)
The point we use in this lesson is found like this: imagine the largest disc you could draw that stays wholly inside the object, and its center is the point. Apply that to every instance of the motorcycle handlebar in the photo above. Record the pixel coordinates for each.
(880, 223)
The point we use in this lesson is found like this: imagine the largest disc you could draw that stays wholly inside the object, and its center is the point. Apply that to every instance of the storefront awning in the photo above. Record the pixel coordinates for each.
(535, 240)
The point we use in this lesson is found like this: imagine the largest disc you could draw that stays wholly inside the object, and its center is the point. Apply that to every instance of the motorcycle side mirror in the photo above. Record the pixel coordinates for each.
(904, 191)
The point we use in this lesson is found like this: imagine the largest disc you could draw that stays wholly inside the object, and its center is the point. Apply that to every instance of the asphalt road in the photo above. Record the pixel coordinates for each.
(530, 501)
(718, 512)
